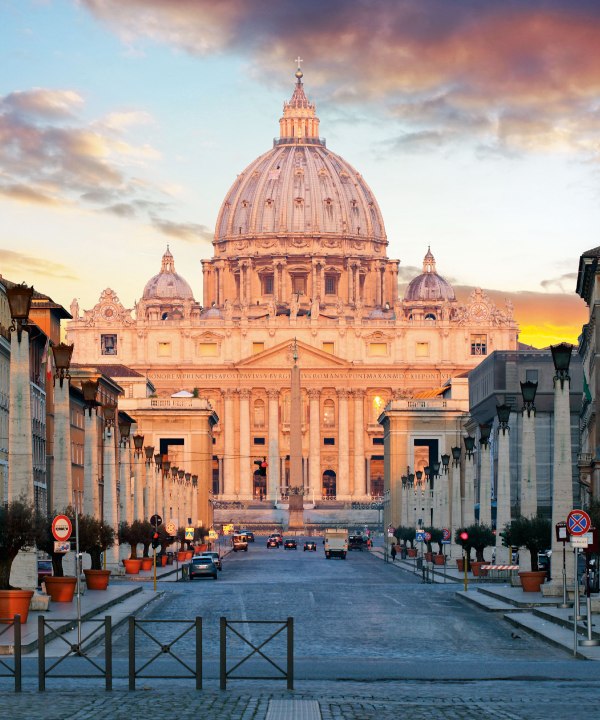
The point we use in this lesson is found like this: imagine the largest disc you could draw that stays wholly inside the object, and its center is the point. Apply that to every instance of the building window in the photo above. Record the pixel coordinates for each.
(478, 344)
(430, 317)
(299, 284)
(328, 441)
(531, 375)
(208, 349)
(259, 413)
(331, 284)
(257, 347)
(377, 441)
(378, 349)
(328, 413)
(258, 440)
(378, 405)
(267, 284)
(422, 349)
(108, 344)
(328, 347)
(164, 349)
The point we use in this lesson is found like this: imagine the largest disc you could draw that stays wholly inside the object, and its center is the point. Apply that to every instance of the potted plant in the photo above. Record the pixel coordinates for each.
(200, 535)
(21, 528)
(185, 552)
(164, 540)
(534, 534)
(94, 539)
(132, 534)
(409, 534)
(147, 559)
(60, 587)
(436, 537)
(480, 537)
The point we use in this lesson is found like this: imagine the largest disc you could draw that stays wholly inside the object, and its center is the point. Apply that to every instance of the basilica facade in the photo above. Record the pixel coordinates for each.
(300, 266)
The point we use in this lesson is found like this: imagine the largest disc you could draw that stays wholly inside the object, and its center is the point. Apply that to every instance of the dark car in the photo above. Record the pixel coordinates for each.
(356, 542)
(290, 544)
(249, 535)
(272, 542)
(44, 569)
(202, 566)
(310, 545)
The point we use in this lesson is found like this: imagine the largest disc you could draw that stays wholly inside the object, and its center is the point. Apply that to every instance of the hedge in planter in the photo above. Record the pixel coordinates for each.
(95, 538)
(535, 534)
(133, 535)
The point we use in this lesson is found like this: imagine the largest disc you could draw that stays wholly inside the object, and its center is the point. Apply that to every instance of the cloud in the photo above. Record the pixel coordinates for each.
(514, 77)
(15, 264)
(190, 232)
(41, 102)
(25, 194)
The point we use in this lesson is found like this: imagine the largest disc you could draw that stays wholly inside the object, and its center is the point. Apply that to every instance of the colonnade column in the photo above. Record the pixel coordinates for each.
(360, 479)
(468, 512)
(455, 504)
(485, 477)
(62, 479)
(245, 462)
(314, 440)
(273, 469)
(90, 464)
(503, 485)
(110, 488)
(124, 481)
(138, 486)
(229, 444)
(342, 485)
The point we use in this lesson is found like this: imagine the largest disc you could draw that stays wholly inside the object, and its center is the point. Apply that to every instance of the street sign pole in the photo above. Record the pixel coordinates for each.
(576, 615)
(78, 576)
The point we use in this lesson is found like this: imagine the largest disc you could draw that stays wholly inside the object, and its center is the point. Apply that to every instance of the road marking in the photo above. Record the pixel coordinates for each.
(312, 598)
(393, 599)
(246, 626)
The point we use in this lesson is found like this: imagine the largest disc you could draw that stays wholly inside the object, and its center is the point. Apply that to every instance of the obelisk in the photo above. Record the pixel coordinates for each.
(296, 486)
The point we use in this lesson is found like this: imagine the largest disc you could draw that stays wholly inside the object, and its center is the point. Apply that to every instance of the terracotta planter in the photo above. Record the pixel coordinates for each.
(132, 565)
(189, 554)
(162, 560)
(412, 552)
(60, 589)
(532, 580)
(96, 579)
(200, 548)
(439, 559)
(14, 602)
(475, 565)
(428, 557)
(147, 563)
(460, 564)
(181, 555)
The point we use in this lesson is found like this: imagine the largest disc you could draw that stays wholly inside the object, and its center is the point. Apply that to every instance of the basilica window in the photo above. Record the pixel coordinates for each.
(378, 403)
(328, 413)
(331, 284)
(430, 317)
(164, 349)
(422, 349)
(259, 413)
(267, 284)
(329, 347)
(208, 349)
(257, 347)
(299, 284)
(478, 344)
(108, 344)
(378, 349)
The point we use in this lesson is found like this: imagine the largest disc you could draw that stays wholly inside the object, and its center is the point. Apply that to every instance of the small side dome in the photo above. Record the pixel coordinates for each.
(167, 284)
(429, 286)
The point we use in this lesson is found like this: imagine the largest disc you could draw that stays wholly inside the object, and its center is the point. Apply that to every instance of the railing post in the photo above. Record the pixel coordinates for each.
(223, 653)
(108, 651)
(132, 653)
(198, 653)
(290, 653)
(17, 638)
(41, 655)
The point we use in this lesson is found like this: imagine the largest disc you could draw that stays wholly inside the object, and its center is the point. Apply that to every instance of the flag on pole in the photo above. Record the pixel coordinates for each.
(44, 361)
(50, 365)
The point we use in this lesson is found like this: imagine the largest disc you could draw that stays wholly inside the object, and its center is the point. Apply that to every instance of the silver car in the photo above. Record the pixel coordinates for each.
(214, 557)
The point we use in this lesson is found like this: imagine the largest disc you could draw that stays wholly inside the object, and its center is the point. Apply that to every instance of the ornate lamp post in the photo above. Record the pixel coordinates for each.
(469, 493)
(562, 469)
(138, 487)
(124, 469)
(502, 493)
(444, 495)
(20, 441)
(91, 505)
(485, 476)
(528, 456)
(62, 476)
(159, 501)
(455, 505)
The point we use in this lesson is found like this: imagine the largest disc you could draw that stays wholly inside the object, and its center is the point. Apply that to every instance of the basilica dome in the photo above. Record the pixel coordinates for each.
(167, 284)
(429, 286)
(300, 188)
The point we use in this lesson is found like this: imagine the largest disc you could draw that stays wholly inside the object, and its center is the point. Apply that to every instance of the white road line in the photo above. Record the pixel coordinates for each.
(393, 599)
(312, 598)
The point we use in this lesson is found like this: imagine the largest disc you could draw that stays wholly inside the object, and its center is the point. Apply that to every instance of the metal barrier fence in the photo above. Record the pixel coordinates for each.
(287, 674)
(76, 649)
(194, 673)
(5, 669)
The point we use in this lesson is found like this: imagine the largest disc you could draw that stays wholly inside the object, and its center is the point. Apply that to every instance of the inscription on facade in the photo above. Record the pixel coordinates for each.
(308, 374)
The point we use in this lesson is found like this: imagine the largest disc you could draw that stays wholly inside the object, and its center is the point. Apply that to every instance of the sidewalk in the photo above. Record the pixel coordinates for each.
(530, 612)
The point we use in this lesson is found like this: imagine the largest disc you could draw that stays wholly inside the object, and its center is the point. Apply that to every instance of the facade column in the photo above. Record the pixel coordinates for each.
(342, 484)
(502, 493)
(148, 495)
(138, 486)
(360, 480)
(90, 464)
(20, 441)
(62, 479)
(109, 515)
(229, 445)
(528, 465)
(125, 481)
(314, 442)
(245, 460)
(485, 483)
(444, 507)
(468, 511)
(455, 504)
(273, 476)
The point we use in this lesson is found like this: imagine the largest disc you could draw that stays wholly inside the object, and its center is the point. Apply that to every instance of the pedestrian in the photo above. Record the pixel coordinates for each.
(393, 553)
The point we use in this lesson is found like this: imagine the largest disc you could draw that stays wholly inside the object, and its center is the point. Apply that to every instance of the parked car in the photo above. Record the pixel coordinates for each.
(215, 558)
(290, 544)
(202, 566)
(272, 542)
(356, 542)
(310, 545)
(249, 535)
(44, 569)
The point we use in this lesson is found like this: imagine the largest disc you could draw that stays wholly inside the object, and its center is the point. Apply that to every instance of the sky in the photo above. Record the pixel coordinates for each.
(476, 123)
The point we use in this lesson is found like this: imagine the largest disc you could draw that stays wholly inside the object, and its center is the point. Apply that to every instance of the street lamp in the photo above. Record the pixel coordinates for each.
(19, 302)
(62, 360)
(445, 463)
(138, 444)
(503, 503)
(124, 431)
(455, 456)
(528, 484)
(484, 433)
(469, 445)
(109, 412)
(561, 356)
(503, 412)
(62, 479)
(528, 391)
(89, 388)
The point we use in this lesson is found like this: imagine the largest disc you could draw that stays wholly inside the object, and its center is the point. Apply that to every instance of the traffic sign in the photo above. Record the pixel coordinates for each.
(427, 537)
(61, 546)
(156, 521)
(171, 528)
(62, 528)
(420, 536)
(189, 533)
(578, 522)
(445, 534)
(580, 541)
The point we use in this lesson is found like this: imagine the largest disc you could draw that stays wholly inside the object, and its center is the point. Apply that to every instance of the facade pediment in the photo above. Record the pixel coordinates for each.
(281, 356)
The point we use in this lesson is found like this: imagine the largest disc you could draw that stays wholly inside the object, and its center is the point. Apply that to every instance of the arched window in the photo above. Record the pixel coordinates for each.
(430, 317)
(329, 413)
(329, 484)
(377, 405)
(259, 413)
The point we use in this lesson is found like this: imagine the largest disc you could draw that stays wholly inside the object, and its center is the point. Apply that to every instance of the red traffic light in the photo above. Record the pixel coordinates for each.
(264, 464)
(464, 535)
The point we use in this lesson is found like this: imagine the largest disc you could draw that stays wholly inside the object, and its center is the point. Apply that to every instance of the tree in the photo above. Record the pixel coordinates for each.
(535, 534)
(21, 527)
(480, 537)
(147, 530)
(436, 537)
(95, 538)
(133, 534)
